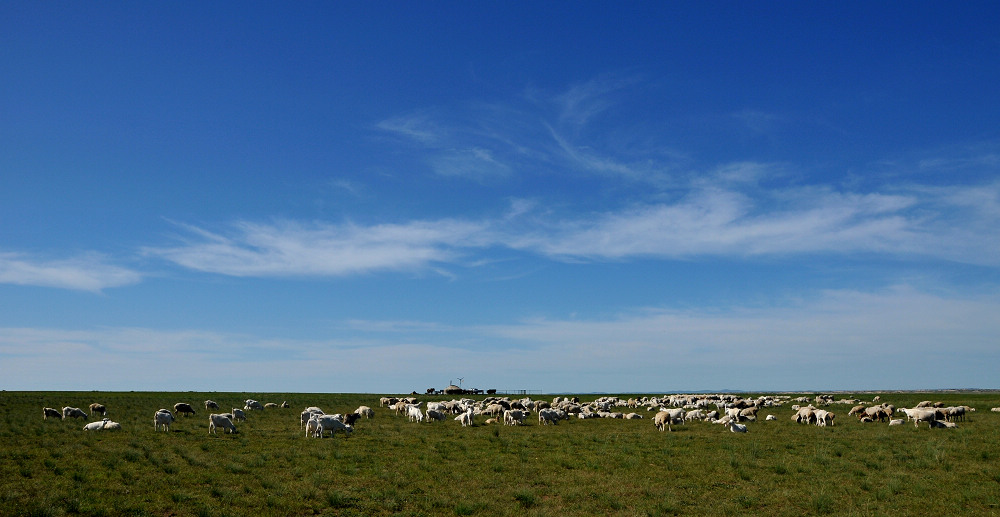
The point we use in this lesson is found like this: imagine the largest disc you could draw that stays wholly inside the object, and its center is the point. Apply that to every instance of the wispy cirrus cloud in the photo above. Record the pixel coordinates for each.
(87, 272)
(954, 224)
(291, 248)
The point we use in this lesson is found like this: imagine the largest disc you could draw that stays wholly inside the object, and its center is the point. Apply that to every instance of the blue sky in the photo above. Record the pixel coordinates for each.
(572, 197)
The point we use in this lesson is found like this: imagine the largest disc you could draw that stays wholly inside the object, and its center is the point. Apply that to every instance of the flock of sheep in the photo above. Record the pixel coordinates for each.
(731, 411)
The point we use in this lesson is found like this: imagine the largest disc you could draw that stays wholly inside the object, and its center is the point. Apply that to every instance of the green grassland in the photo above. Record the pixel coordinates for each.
(391, 466)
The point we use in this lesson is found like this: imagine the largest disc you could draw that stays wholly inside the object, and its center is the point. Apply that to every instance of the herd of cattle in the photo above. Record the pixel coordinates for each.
(732, 411)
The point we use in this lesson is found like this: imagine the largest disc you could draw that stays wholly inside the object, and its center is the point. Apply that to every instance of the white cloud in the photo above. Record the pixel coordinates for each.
(955, 224)
(89, 272)
(728, 222)
(296, 249)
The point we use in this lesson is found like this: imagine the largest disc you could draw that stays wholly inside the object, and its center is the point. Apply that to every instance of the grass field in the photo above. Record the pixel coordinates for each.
(580, 467)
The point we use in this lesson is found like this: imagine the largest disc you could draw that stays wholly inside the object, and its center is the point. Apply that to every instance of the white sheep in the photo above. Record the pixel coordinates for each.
(736, 427)
(328, 422)
(112, 426)
(365, 411)
(413, 413)
(514, 417)
(770, 417)
(943, 424)
(465, 418)
(222, 421)
(922, 415)
(211, 404)
(313, 427)
(896, 421)
(95, 426)
(553, 416)
(163, 418)
(238, 415)
(252, 404)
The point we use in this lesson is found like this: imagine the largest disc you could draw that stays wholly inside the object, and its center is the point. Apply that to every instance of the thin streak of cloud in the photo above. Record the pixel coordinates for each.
(295, 249)
(89, 272)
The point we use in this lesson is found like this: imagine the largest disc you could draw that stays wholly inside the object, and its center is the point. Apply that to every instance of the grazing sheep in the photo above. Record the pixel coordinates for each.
(514, 417)
(365, 411)
(433, 414)
(876, 399)
(328, 422)
(735, 427)
(922, 415)
(222, 421)
(314, 409)
(805, 415)
(50, 412)
(210, 404)
(182, 408)
(163, 418)
(351, 418)
(73, 412)
(413, 413)
(239, 415)
(553, 416)
(98, 408)
(252, 404)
